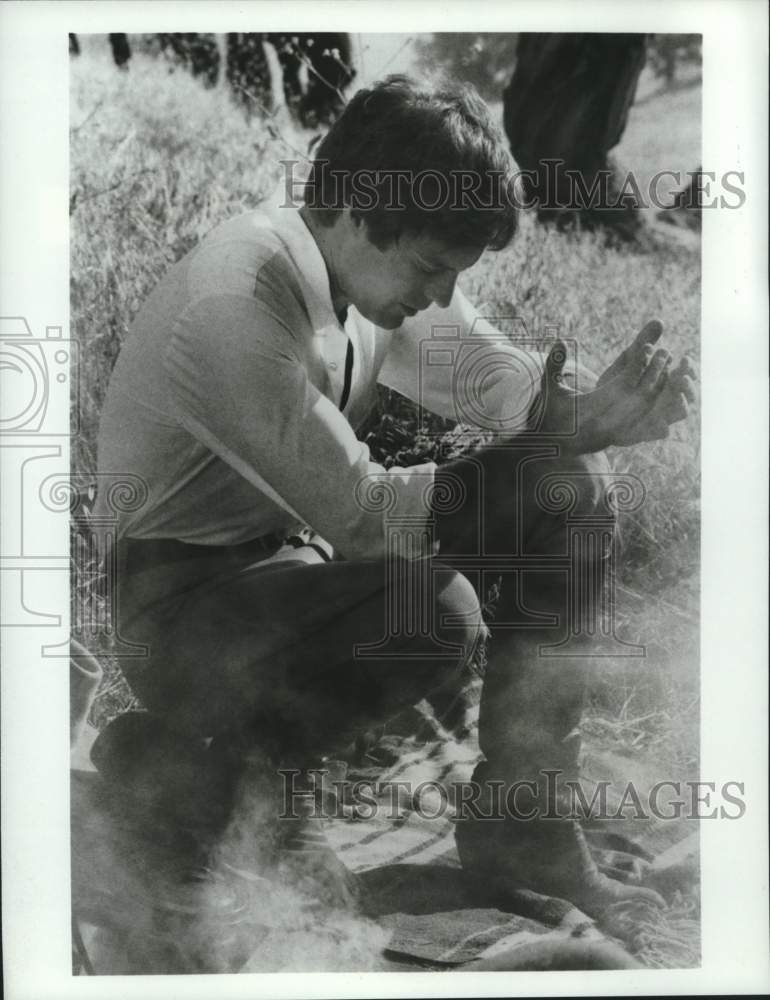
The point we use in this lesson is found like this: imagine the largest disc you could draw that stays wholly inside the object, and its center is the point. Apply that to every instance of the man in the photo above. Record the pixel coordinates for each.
(235, 399)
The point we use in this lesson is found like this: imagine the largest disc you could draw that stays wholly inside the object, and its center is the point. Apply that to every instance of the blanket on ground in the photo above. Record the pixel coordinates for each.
(418, 910)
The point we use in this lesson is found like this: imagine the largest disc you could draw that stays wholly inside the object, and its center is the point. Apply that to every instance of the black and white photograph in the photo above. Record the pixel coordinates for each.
(401, 439)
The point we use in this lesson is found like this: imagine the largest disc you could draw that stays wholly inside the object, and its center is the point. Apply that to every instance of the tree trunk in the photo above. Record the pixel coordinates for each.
(121, 50)
(568, 101)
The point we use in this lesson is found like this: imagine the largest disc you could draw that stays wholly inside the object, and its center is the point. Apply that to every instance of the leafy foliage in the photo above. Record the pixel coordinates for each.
(487, 60)
(667, 54)
(484, 59)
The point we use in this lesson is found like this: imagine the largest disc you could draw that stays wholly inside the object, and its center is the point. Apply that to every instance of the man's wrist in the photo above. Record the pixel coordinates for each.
(591, 438)
(586, 437)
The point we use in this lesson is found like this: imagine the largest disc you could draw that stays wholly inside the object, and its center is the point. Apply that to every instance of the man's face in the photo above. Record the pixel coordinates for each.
(387, 286)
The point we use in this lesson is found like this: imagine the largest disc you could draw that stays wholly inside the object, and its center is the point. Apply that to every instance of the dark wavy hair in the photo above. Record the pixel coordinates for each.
(410, 159)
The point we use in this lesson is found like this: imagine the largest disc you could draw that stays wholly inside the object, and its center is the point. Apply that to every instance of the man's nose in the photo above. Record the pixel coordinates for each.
(441, 289)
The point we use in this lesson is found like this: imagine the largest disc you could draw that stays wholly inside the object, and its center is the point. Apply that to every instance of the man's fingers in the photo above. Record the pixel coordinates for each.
(686, 386)
(556, 408)
(682, 381)
(677, 409)
(650, 333)
(631, 362)
(635, 359)
(654, 376)
(652, 394)
(638, 362)
(686, 368)
(673, 403)
(555, 362)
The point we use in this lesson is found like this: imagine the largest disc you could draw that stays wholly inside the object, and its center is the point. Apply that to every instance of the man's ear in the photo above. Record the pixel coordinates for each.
(360, 225)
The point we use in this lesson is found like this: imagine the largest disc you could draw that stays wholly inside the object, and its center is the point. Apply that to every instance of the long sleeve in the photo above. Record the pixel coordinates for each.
(241, 387)
(455, 363)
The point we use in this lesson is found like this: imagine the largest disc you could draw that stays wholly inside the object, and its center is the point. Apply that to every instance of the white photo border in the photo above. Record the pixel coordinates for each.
(34, 83)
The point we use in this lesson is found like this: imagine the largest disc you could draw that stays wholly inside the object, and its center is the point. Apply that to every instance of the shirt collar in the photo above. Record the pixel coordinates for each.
(308, 260)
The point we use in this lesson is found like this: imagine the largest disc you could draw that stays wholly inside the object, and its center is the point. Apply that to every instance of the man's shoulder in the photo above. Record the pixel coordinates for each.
(253, 231)
(241, 253)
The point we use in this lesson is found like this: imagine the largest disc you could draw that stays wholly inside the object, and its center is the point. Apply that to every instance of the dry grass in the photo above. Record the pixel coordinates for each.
(156, 161)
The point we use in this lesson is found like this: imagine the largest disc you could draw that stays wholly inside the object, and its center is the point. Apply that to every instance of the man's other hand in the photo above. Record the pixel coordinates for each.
(676, 391)
(636, 399)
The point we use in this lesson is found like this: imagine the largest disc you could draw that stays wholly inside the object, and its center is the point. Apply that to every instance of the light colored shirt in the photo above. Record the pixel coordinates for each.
(225, 396)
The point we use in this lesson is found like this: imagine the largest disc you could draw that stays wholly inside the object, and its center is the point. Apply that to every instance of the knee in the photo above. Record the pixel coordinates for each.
(561, 490)
(591, 476)
(458, 619)
(573, 485)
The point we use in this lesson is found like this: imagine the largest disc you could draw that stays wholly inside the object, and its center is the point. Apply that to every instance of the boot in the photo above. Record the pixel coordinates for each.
(532, 703)
(548, 856)
(530, 713)
(217, 803)
(180, 788)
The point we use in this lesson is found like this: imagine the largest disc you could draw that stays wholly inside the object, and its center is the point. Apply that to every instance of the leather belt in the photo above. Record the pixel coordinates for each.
(146, 553)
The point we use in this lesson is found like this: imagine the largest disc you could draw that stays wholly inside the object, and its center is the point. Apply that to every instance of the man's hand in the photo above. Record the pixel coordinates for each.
(631, 363)
(636, 399)
(676, 391)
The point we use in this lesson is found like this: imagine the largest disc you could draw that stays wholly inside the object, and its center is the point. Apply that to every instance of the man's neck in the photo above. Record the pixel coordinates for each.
(326, 243)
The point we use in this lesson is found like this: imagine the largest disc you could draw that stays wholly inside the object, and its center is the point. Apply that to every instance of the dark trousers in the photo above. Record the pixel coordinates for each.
(303, 656)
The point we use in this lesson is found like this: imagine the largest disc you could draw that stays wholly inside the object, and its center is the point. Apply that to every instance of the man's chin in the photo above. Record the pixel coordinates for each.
(386, 319)
(401, 314)
(392, 324)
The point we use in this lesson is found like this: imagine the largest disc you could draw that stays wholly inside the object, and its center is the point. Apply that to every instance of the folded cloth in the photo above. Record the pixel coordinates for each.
(85, 675)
